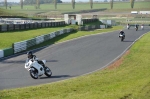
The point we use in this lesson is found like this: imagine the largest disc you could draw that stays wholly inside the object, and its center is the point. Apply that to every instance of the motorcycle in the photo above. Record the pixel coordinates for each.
(136, 28)
(36, 70)
(128, 27)
(142, 27)
(122, 37)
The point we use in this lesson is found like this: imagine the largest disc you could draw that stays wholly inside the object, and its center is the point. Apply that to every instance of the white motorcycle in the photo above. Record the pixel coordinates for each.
(142, 27)
(128, 27)
(36, 70)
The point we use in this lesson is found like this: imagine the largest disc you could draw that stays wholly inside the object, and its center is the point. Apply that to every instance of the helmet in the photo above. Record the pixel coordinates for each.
(29, 53)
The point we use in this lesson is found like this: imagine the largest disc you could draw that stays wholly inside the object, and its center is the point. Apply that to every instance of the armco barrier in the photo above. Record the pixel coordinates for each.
(8, 52)
(31, 42)
(1, 53)
(20, 46)
(39, 39)
(47, 37)
(0, 28)
(24, 45)
(4, 28)
(16, 26)
(11, 27)
(52, 35)
(87, 28)
(57, 33)
(102, 26)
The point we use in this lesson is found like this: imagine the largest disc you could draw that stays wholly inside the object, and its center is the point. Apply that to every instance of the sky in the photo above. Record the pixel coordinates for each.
(62, 0)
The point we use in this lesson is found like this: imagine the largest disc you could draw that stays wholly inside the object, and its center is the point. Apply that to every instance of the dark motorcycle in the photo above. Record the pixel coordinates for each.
(136, 28)
(122, 37)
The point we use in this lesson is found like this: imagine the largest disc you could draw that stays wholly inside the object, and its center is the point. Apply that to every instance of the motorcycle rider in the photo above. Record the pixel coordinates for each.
(122, 33)
(128, 26)
(33, 57)
(142, 26)
(136, 26)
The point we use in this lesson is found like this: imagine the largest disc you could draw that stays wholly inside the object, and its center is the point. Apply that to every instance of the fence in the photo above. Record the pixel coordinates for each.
(91, 27)
(11, 27)
(89, 20)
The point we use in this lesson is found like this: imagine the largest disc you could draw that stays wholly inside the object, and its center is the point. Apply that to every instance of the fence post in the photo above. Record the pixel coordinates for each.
(24, 26)
(19, 26)
(29, 25)
(0, 27)
(7, 27)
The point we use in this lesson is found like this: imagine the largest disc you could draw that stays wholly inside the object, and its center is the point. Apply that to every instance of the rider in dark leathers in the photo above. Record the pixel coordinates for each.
(33, 57)
(122, 33)
(136, 26)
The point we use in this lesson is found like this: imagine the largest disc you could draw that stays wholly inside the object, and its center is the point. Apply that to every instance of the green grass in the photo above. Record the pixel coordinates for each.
(131, 80)
(66, 7)
(11, 13)
(8, 38)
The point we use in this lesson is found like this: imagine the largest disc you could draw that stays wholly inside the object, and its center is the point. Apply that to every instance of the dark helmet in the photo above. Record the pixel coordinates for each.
(29, 53)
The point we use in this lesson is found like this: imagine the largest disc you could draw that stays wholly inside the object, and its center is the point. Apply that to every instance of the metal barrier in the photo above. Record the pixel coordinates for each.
(11, 27)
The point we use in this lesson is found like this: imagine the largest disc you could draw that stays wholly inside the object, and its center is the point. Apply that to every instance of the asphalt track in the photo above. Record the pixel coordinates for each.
(68, 59)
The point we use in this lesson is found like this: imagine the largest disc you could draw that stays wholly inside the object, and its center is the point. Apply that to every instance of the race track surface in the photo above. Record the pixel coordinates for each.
(68, 59)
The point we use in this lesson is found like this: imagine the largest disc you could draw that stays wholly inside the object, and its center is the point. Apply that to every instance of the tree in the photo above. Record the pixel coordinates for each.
(132, 3)
(55, 3)
(32, 2)
(91, 4)
(21, 3)
(111, 4)
(37, 4)
(6, 4)
(73, 4)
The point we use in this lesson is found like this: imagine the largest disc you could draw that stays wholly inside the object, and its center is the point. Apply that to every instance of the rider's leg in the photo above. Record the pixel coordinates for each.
(41, 62)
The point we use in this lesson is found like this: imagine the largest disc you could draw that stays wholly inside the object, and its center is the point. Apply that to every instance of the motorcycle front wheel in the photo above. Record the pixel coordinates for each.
(48, 72)
(122, 38)
(34, 73)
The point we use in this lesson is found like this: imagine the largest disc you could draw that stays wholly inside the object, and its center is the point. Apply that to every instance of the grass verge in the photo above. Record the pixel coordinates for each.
(8, 38)
(129, 80)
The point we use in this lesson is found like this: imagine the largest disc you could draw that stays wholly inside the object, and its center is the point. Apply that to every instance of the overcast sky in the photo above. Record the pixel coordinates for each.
(62, 0)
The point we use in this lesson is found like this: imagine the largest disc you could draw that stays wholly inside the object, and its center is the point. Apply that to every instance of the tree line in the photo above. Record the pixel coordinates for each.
(28, 2)
(38, 2)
